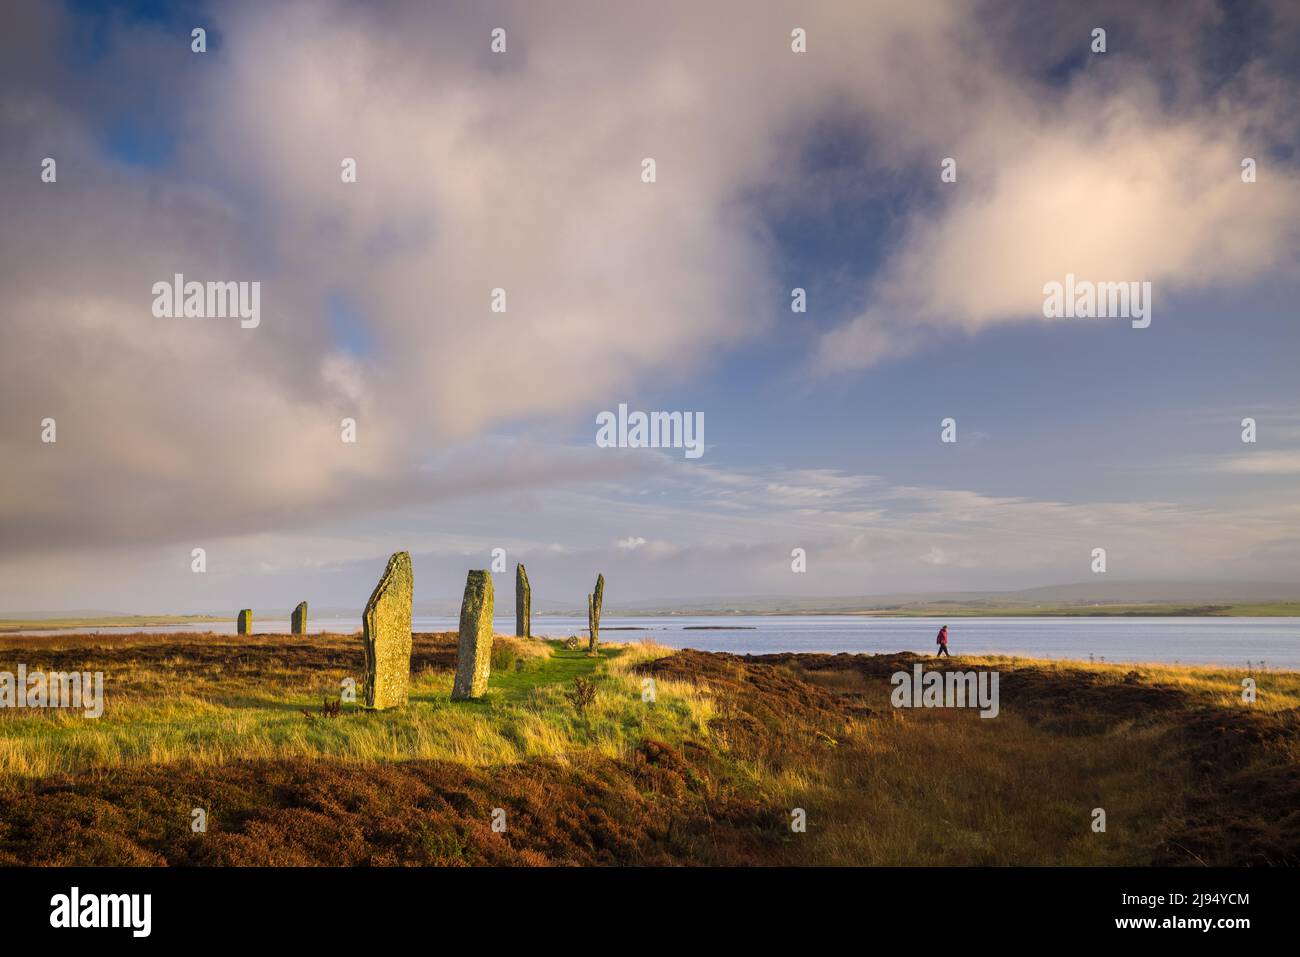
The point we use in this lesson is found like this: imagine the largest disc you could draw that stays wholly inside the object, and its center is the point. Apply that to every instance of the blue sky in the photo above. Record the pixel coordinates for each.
(776, 169)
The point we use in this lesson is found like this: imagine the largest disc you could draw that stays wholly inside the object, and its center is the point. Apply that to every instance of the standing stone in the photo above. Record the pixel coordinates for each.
(594, 601)
(298, 623)
(244, 623)
(386, 630)
(523, 604)
(474, 653)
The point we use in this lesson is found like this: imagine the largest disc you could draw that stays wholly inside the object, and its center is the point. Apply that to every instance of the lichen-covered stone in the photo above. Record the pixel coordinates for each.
(244, 623)
(523, 603)
(386, 631)
(298, 623)
(474, 651)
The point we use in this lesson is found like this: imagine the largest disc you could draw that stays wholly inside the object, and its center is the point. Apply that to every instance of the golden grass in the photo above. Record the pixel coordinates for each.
(935, 787)
(879, 786)
(239, 711)
(1276, 689)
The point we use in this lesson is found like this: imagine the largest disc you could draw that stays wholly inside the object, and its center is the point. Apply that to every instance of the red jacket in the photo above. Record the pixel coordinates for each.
(942, 638)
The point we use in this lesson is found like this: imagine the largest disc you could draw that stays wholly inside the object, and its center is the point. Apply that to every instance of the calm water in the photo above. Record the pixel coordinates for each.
(1227, 641)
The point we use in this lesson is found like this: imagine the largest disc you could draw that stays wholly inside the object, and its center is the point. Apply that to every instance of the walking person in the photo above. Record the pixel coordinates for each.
(942, 641)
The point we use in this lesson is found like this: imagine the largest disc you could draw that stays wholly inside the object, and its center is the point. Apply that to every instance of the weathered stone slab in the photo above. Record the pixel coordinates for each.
(474, 652)
(298, 622)
(523, 603)
(244, 623)
(386, 631)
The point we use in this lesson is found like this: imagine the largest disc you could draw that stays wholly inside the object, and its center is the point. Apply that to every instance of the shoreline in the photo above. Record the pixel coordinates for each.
(1280, 609)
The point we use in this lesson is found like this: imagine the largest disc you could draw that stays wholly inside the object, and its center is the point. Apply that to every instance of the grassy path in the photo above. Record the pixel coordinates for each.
(560, 668)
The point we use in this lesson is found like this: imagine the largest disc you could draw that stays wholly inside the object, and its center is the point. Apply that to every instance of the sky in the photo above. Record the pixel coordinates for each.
(523, 170)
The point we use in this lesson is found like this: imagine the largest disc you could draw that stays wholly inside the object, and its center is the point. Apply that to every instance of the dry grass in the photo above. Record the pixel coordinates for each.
(679, 757)
(1186, 771)
(223, 699)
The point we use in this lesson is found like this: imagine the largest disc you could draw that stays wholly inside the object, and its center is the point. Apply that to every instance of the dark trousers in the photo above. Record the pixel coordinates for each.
(943, 650)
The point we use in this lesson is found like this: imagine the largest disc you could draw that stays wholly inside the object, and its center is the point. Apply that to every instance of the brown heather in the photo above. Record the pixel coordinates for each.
(1187, 774)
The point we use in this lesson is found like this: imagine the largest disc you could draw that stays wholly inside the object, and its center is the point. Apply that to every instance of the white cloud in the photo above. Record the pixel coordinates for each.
(476, 173)
(1100, 180)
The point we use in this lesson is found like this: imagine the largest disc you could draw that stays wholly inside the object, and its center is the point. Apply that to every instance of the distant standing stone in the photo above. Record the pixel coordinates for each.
(474, 653)
(244, 623)
(523, 603)
(298, 623)
(386, 630)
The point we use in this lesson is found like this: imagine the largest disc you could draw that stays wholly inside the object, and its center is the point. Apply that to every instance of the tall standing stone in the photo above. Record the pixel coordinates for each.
(386, 630)
(244, 623)
(474, 652)
(594, 601)
(523, 603)
(298, 623)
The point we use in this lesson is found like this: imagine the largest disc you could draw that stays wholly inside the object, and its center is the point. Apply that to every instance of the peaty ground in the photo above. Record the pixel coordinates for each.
(708, 769)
